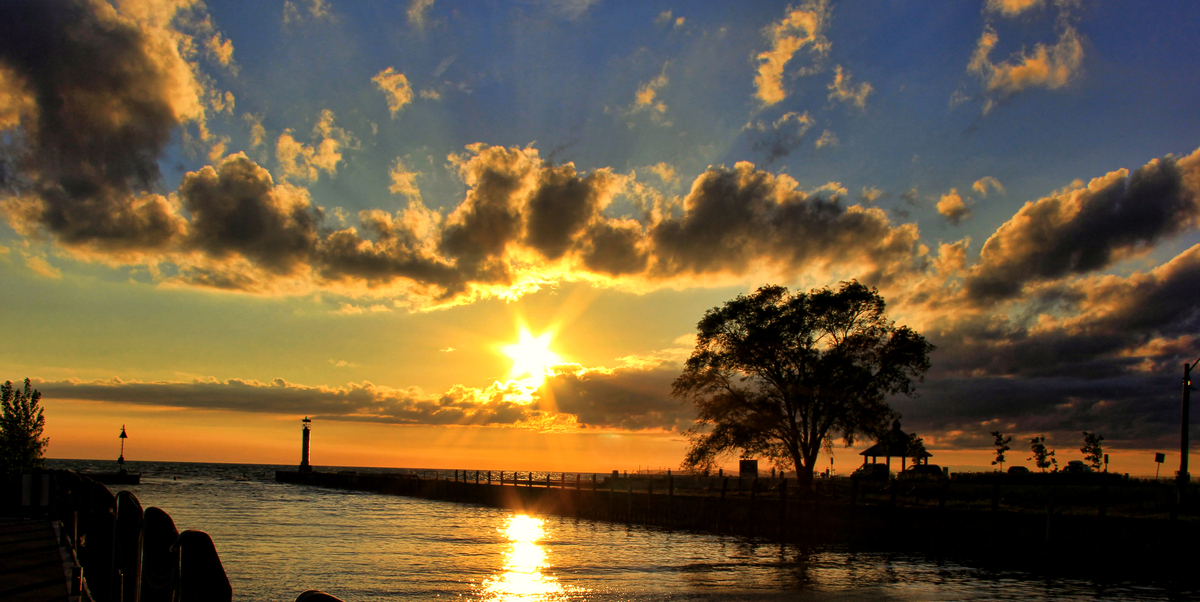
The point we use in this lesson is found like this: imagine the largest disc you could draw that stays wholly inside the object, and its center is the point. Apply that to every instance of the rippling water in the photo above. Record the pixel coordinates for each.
(278, 540)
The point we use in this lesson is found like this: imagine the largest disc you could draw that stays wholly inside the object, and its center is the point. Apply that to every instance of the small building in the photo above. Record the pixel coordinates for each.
(894, 444)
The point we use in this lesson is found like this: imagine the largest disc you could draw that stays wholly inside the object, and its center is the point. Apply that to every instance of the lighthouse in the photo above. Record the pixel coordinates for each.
(304, 465)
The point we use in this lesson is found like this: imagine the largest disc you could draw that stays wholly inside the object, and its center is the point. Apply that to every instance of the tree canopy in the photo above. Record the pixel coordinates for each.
(21, 424)
(776, 374)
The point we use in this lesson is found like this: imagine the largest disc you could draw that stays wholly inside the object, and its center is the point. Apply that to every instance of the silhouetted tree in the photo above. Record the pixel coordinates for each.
(1042, 457)
(775, 374)
(1093, 453)
(916, 449)
(1001, 443)
(21, 424)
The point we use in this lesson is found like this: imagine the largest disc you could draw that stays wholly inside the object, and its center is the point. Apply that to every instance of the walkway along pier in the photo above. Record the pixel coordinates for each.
(967, 519)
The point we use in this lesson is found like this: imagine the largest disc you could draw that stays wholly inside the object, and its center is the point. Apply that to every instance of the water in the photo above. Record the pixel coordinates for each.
(278, 540)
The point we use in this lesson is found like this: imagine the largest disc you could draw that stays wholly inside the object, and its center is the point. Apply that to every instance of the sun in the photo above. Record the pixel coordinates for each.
(532, 358)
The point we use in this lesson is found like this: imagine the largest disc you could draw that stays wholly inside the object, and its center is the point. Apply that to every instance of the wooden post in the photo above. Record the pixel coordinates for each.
(650, 501)
(577, 476)
(753, 505)
(1049, 519)
(721, 516)
(670, 498)
(628, 498)
(1104, 498)
(783, 508)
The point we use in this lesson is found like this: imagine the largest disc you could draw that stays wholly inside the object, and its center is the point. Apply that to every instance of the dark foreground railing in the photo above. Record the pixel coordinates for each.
(119, 552)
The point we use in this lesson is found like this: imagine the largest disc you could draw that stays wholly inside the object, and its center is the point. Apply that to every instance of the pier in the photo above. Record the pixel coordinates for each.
(1035, 523)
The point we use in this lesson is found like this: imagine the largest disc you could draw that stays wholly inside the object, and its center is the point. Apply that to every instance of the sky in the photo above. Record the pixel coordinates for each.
(481, 234)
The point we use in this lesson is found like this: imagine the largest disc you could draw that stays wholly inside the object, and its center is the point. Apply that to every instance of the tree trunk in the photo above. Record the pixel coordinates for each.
(804, 476)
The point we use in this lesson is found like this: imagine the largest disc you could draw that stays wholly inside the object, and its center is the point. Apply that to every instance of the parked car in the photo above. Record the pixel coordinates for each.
(923, 471)
(1077, 466)
(1015, 470)
(872, 472)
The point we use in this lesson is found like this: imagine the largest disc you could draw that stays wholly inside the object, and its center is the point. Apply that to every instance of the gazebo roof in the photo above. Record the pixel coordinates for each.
(893, 444)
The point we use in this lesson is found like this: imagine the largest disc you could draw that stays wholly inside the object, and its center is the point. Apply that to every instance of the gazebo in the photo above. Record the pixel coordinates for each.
(894, 443)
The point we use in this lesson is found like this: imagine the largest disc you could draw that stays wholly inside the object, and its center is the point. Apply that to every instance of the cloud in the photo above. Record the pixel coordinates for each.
(1082, 230)
(841, 89)
(524, 223)
(258, 134)
(665, 172)
(98, 96)
(625, 398)
(395, 86)
(622, 398)
(1093, 354)
(1012, 8)
(871, 195)
(952, 207)
(740, 220)
(354, 402)
(404, 182)
(801, 28)
(666, 17)
(305, 162)
(39, 265)
(782, 136)
(237, 209)
(646, 101)
(827, 138)
(1049, 67)
(302, 10)
(416, 12)
(982, 184)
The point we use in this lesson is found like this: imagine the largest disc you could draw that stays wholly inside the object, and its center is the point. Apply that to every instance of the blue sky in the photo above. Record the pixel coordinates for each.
(346, 209)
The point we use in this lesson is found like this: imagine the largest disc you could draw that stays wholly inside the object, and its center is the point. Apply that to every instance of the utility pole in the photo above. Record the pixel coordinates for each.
(1183, 477)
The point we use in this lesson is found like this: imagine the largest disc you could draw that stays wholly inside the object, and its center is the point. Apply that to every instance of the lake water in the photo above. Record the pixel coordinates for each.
(277, 540)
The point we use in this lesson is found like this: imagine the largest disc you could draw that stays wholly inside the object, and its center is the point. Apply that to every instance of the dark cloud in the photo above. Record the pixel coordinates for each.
(358, 402)
(1132, 411)
(625, 398)
(1088, 229)
(106, 99)
(237, 208)
(1103, 354)
(614, 248)
(562, 206)
(736, 218)
(390, 250)
(633, 398)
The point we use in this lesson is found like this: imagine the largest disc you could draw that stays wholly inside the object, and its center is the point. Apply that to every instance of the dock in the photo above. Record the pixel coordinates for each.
(37, 564)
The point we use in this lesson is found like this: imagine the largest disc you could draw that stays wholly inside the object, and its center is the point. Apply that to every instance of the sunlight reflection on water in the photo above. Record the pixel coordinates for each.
(524, 560)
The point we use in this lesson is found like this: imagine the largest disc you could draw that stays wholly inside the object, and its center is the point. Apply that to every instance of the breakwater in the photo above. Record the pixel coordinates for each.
(915, 517)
